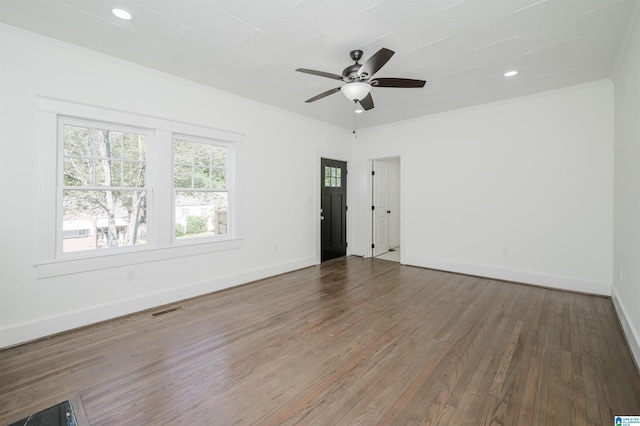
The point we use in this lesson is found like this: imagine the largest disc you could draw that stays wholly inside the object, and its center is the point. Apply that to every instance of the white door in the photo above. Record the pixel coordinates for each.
(380, 210)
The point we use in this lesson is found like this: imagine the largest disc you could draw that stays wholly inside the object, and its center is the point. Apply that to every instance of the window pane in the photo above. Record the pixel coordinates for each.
(103, 219)
(77, 172)
(134, 146)
(117, 171)
(219, 178)
(115, 144)
(201, 177)
(102, 146)
(182, 176)
(101, 171)
(78, 141)
(207, 216)
(133, 174)
(219, 157)
(201, 154)
(182, 151)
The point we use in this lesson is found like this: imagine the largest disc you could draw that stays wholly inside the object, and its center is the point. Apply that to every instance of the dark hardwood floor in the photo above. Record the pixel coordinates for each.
(353, 341)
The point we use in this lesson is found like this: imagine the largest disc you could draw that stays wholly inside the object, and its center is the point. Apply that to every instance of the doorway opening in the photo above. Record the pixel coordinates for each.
(385, 208)
(333, 209)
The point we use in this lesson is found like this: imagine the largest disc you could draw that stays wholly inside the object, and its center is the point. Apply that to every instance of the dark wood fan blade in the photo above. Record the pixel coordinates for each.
(367, 102)
(376, 62)
(397, 82)
(320, 73)
(323, 94)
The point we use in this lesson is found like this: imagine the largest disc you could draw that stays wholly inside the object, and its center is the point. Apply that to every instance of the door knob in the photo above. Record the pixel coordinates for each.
(321, 217)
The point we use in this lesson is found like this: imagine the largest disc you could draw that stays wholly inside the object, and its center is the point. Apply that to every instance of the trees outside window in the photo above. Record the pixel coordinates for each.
(103, 188)
(200, 172)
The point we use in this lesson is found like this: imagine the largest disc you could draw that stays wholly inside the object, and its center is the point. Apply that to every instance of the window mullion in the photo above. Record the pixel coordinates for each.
(160, 178)
(94, 154)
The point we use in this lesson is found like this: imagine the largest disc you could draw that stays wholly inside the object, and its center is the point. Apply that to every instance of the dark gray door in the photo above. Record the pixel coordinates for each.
(334, 209)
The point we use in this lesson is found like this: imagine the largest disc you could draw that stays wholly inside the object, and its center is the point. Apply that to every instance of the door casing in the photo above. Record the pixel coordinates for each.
(380, 211)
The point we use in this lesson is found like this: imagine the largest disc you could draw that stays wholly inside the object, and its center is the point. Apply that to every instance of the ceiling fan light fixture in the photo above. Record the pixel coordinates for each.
(356, 91)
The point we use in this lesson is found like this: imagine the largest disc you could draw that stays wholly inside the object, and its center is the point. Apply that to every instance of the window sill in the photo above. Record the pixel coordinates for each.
(62, 267)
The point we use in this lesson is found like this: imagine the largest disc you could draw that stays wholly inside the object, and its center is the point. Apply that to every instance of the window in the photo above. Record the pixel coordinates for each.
(108, 195)
(200, 174)
(332, 177)
(75, 233)
(103, 194)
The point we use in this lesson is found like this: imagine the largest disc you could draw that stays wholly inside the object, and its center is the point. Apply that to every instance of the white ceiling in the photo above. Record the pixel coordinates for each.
(252, 47)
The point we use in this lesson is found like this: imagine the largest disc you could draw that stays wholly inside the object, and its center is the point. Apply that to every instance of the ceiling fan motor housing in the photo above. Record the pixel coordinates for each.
(350, 73)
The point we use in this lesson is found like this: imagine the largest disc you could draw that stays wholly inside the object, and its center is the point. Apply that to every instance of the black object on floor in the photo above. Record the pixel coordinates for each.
(58, 415)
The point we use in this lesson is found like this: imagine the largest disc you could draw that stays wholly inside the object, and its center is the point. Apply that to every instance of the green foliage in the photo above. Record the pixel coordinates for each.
(180, 231)
(199, 165)
(196, 225)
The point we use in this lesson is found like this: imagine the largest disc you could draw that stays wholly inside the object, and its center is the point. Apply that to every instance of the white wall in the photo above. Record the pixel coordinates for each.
(519, 190)
(626, 260)
(278, 174)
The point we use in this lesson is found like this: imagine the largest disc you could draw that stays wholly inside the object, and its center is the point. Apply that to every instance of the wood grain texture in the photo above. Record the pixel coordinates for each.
(352, 341)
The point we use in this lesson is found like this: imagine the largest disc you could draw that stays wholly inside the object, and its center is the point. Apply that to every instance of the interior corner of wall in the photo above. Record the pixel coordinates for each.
(628, 328)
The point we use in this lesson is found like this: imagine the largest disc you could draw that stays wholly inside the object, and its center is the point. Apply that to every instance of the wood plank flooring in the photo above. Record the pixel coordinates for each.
(352, 341)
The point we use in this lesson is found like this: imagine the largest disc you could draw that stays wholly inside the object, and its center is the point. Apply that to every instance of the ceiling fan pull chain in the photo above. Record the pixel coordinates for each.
(355, 119)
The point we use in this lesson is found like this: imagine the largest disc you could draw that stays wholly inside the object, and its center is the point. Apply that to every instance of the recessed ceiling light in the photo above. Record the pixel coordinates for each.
(121, 13)
(510, 73)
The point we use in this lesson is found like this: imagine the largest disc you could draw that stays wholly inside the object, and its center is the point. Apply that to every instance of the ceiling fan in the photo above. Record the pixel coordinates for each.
(359, 81)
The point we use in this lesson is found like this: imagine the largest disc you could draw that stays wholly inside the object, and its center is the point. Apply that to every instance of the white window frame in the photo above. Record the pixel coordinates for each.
(230, 189)
(149, 179)
(160, 204)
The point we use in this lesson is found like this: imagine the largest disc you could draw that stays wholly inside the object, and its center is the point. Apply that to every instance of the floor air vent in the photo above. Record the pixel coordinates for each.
(165, 311)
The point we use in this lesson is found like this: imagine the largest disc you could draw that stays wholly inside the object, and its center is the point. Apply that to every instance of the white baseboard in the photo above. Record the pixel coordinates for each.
(630, 332)
(558, 282)
(47, 326)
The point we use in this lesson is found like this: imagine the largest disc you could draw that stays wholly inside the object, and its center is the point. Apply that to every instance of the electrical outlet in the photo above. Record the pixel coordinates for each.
(505, 251)
(130, 274)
